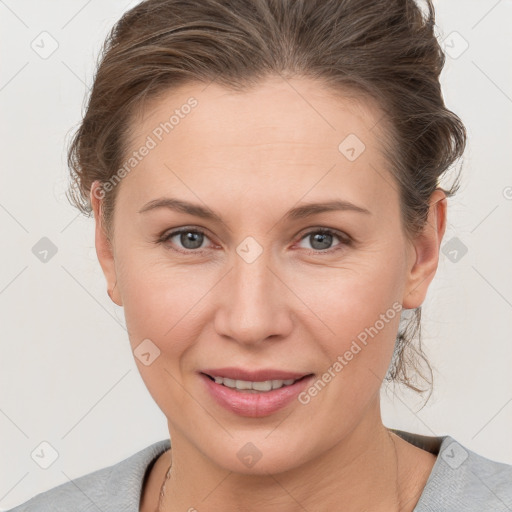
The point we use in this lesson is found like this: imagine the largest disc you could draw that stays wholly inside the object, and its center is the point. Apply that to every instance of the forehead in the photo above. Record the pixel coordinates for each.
(295, 110)
(292, 136)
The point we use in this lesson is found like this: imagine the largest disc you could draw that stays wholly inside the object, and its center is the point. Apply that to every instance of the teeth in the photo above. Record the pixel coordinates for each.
(261, 386)
(245, 385)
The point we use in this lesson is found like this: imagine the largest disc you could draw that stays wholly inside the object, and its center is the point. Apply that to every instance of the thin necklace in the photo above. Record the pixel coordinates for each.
(162, 489)
(397, 493)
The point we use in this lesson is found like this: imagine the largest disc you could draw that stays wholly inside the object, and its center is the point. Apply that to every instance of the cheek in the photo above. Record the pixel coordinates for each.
(359, 305)
(353, 295)
(161, 304)
(161, 301)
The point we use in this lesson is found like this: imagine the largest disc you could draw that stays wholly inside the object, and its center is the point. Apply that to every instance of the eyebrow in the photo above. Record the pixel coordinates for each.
(298, 212)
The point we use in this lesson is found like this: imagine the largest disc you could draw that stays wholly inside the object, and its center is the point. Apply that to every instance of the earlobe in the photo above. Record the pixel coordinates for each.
(104, 249)
(425, 259)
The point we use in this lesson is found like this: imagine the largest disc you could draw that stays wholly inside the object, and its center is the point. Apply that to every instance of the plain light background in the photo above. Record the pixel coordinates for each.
(68, 377)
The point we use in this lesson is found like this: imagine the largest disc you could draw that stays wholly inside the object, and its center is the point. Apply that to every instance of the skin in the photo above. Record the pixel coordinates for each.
(250, 157)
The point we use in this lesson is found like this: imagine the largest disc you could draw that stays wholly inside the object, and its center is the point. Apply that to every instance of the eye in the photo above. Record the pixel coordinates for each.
(189, 239)
(321, 239)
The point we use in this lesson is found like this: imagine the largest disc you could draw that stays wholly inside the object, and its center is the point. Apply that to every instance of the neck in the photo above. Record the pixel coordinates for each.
(364, 471)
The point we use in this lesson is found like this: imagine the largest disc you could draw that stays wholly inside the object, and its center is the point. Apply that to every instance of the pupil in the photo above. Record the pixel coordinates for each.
(322, 237)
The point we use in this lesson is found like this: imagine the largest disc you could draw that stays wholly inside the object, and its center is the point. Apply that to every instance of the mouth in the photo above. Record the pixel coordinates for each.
(255, 393)
(254, 386)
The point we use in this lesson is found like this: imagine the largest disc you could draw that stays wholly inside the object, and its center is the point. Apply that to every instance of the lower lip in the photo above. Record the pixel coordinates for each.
(255, 405)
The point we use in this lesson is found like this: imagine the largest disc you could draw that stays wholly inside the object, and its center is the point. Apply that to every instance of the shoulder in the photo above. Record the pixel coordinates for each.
(116, 487)
(462, 480)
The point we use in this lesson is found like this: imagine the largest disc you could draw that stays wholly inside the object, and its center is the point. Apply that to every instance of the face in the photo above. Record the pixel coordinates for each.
(265, 287)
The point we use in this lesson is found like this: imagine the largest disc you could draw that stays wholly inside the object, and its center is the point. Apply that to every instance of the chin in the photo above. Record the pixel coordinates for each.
(260, 459)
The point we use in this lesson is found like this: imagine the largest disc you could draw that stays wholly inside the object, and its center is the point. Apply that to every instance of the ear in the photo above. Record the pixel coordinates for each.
(424, 252)
(104, 249)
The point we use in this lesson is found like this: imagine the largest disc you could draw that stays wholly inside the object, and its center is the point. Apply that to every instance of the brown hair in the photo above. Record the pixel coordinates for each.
(384, 49)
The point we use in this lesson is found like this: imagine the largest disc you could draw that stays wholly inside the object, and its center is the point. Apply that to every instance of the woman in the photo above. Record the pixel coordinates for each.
(264, 178)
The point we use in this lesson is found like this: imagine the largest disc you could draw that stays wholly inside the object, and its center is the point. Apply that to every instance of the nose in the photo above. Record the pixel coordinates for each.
(254, 304)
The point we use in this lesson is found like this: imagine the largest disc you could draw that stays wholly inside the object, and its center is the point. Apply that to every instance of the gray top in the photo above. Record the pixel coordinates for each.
(460, 480)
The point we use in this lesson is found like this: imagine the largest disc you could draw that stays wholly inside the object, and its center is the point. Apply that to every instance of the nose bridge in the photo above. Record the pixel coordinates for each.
(252, 307)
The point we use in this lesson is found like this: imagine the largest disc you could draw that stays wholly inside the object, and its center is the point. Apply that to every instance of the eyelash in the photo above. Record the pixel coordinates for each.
(344, 239)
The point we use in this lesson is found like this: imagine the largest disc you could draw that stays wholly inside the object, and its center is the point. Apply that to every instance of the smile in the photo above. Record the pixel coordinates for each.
(255, 393)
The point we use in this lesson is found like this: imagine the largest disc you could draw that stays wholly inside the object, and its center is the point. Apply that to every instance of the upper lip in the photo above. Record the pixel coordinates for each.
(253, 375)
